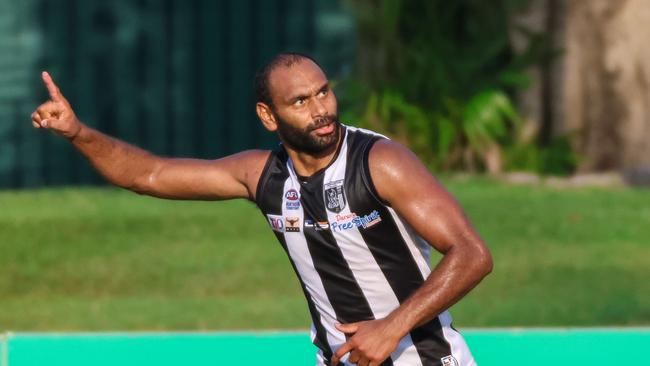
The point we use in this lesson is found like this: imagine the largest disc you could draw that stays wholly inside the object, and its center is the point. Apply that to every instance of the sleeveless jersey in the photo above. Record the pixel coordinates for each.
(356, 259)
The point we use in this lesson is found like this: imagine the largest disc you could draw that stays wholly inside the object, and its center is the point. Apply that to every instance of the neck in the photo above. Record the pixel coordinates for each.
(306, 164)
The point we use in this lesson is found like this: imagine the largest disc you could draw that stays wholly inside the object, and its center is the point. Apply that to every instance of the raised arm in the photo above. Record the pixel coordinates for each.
(408, 187)
(135, 169)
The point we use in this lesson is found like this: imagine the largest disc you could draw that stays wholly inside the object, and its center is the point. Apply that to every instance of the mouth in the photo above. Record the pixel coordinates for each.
(326, 129)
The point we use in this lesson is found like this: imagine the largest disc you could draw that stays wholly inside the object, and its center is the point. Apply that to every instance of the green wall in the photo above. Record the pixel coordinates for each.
(172, 76)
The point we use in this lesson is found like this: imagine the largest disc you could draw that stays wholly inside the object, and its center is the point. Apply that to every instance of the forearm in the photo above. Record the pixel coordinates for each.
(454, 276)
(120, 163)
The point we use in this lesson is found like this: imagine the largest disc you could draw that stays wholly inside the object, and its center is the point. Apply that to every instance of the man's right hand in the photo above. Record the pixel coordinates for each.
(56, 114)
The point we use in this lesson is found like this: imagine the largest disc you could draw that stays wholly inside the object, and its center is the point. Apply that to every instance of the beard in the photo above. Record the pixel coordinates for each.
(304, 140)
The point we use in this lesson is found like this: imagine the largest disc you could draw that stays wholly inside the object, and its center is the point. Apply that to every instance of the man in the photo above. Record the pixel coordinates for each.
(356, 213)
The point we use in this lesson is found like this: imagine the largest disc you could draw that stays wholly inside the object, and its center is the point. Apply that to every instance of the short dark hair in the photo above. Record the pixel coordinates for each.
(286, 59)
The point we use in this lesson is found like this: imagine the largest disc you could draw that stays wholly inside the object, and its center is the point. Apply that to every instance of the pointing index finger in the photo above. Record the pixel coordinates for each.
(54, 91)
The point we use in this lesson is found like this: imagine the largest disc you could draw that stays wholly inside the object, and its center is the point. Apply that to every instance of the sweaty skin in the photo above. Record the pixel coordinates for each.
(301, 95)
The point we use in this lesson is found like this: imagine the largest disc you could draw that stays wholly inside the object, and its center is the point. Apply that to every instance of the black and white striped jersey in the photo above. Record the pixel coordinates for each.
(356, 259)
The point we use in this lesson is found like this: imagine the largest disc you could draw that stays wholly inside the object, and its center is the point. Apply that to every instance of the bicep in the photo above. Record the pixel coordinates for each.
(407, 186)
(234, 176)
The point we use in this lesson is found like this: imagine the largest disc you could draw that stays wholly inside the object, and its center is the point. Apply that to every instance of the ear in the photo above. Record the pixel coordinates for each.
(267, 117)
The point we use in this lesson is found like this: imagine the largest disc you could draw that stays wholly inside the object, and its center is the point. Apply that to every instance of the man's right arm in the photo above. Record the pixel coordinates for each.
(130, 167)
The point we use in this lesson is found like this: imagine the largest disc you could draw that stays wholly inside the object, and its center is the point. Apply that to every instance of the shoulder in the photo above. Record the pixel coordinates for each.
(396, 171)
(255, 157)
(249, 166)
(389, 149)
(249, 160)
(388, 157)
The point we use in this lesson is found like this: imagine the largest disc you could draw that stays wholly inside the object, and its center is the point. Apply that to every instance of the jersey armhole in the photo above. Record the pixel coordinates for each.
(365, 174)
(264, 177)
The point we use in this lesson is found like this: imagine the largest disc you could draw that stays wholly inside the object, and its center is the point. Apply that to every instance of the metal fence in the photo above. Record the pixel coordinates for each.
(172, 76)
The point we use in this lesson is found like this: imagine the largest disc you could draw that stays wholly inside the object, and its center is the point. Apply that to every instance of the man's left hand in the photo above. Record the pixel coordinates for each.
(369, 342)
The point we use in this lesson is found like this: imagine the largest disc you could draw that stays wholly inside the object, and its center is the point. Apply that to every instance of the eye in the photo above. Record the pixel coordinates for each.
(323, 92)
(300, 101)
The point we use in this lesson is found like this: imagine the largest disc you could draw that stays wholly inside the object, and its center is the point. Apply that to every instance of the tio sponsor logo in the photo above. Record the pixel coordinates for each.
(276, 222)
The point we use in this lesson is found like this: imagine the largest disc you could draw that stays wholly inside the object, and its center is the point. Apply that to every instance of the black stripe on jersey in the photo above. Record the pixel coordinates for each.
(270, 168)
(345, 294)
(389, 248)
(276, 168)
(340, 285)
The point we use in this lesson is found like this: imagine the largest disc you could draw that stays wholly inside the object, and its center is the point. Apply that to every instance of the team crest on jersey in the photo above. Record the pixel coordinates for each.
(291, 224)
(449, 361)
(334, 196)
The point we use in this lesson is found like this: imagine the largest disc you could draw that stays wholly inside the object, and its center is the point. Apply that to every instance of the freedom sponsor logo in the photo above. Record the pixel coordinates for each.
(351, 220)
(292, 199)
(291, 224)
(276, 222)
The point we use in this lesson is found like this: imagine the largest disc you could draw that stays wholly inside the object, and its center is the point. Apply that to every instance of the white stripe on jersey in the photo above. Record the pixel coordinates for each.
(369, 132)
(299, 253)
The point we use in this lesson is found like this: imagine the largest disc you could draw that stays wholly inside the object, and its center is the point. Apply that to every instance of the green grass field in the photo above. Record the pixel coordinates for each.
(105, 259)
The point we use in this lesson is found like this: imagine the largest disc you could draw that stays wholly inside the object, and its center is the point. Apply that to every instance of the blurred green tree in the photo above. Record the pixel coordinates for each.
(436, 75)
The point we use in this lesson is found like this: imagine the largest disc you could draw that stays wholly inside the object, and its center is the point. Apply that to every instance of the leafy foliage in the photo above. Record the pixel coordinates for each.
(436, 75)
(556, 158)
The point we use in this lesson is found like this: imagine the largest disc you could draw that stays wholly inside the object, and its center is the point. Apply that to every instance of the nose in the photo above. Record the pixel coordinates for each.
(318, 108)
